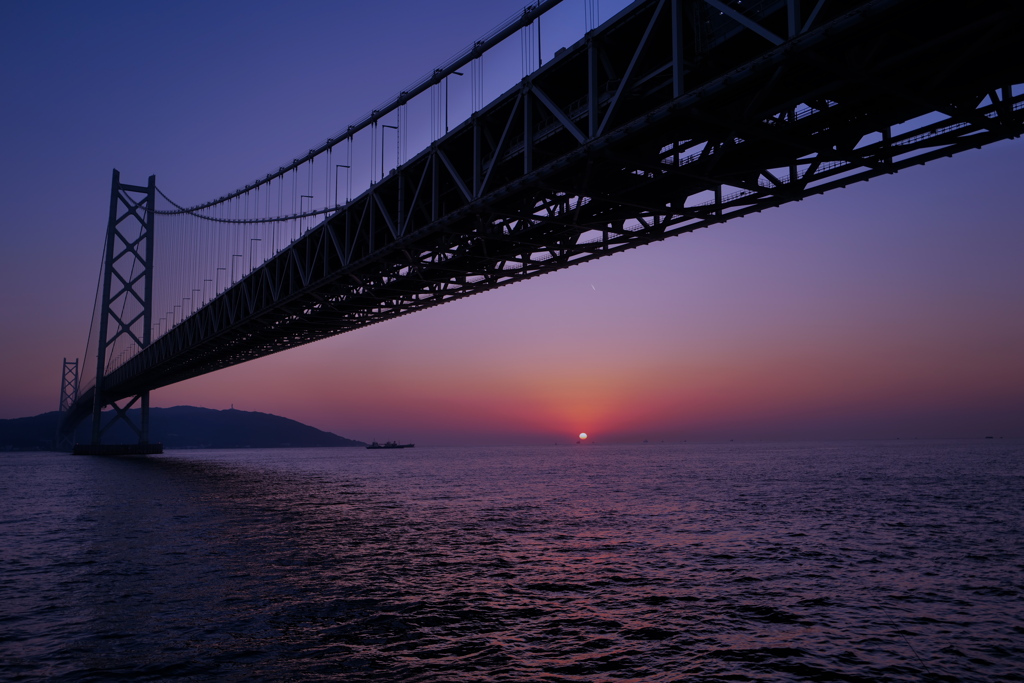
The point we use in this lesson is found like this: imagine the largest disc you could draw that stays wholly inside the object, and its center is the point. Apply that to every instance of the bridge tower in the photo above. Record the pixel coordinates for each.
(68, 396)
(126, 309)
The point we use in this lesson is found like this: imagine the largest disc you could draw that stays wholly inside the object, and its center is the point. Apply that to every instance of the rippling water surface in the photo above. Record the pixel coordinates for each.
(899, 561)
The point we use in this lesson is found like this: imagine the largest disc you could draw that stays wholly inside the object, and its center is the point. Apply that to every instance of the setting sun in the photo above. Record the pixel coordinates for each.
(583, 435)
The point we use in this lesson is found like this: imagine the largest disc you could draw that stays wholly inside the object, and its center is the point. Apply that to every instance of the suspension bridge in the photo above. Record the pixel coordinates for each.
(671, 116)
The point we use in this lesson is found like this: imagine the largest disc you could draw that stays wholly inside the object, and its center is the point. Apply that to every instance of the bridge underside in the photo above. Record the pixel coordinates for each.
(674, 116)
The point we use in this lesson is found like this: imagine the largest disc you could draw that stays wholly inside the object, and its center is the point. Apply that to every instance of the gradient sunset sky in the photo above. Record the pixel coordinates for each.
(893, 308)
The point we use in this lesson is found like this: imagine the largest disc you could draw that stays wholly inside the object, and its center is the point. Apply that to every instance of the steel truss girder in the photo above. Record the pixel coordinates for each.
(676, 115)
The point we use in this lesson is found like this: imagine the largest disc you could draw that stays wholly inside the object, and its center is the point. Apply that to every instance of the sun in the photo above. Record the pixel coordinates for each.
(583, 435)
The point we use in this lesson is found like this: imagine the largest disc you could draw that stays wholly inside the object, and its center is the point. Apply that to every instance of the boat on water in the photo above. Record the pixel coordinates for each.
(390, 444)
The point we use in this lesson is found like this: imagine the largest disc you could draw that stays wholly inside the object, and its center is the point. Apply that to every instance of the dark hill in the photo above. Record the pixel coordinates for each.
(29, 433)
(182, 427)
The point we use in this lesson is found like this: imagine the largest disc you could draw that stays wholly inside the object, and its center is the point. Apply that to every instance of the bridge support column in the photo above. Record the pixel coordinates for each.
(126, 309)
(68, 395)
(678, 66)
(144, 421)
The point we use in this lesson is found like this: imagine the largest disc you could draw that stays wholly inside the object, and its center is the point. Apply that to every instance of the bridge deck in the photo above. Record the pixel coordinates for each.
(675, 115)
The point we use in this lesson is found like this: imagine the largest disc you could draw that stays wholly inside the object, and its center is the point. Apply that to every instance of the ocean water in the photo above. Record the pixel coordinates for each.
(855, 561)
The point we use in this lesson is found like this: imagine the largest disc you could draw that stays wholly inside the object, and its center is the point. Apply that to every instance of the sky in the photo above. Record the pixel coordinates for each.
(893, 308)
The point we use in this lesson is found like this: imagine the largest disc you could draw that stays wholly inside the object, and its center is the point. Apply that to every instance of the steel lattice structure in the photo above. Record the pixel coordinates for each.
(125, 307)
(68, 394)
(674, 115)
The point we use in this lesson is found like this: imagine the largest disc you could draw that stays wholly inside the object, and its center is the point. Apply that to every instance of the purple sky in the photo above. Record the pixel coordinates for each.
(891, 308)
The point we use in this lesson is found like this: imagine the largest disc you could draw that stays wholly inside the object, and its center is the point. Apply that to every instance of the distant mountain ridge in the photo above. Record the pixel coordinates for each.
(181, 427)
